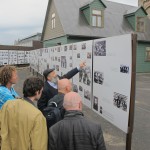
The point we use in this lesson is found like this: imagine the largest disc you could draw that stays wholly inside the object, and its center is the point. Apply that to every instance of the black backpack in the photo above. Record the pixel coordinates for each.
(52, 114)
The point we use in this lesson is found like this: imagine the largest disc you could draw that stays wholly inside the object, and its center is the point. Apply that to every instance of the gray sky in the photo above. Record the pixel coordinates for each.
(21, 18)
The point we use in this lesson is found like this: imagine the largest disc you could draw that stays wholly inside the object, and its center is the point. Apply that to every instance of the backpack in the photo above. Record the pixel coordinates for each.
(52, 114)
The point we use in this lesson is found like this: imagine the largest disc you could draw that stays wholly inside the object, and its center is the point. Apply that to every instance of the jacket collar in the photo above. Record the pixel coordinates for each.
(29, 100)
(73, 113)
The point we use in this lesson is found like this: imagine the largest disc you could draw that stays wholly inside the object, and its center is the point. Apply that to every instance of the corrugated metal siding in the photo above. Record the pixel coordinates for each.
(58, 30)
(53, 42)
(141, 64)
(131, 20)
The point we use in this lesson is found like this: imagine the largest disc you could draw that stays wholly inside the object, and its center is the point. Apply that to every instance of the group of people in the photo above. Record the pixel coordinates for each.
(23, 125)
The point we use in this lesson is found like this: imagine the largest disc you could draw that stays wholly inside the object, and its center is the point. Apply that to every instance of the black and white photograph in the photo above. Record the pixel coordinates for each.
(63, 62)
(100, 48)
(87, 95)
(41, 52)
(95, 103)
(78, 55)
(70, 65)
(65, 48)
(47, 66)
(120, 101)
(74, 47)
(85, 75)
(84, 46)
(101, 109)
(55, 58)
(98, 77)
(89, 55)
(70, 57)
(46, 50)
(70, 47)
(80, 88)
(57, 67)
(75, 88)
(1, 63)
(124, 69)
(58, 50)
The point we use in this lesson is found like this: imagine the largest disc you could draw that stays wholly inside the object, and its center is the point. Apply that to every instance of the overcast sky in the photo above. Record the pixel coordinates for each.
(21, 18)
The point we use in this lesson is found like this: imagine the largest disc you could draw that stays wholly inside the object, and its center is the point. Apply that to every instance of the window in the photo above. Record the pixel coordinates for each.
(140, 24)
(148, 54)
(97, 18)
(53, 20)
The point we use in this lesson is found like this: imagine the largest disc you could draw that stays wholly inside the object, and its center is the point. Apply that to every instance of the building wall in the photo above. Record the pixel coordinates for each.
(55, 41)
(28, 41)
(141, 64)
(50, 33)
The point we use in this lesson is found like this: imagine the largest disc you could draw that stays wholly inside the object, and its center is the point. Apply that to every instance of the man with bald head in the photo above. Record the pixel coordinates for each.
(64, 87)
(75, 132)
(51, 84)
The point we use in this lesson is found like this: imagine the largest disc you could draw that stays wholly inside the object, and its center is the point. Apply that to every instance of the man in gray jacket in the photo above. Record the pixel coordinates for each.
(75, 132)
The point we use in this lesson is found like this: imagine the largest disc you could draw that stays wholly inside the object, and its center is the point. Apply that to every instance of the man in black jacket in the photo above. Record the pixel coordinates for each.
(50, 86)
(75, 132)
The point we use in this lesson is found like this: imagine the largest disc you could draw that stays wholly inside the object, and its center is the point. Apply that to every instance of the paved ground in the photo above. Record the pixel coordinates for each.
(115, 139)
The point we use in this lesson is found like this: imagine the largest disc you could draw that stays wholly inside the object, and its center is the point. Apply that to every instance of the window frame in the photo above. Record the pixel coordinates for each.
(147, 54)
(101, 15)
(137, 24)
(53, 20)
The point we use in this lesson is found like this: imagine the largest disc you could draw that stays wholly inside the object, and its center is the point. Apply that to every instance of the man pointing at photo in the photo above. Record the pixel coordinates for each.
(50, 86)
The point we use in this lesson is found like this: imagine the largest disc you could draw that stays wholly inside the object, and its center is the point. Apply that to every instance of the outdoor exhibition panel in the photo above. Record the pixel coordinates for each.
(82, 83)
(66, 59)
(13, 57)
(112, 70)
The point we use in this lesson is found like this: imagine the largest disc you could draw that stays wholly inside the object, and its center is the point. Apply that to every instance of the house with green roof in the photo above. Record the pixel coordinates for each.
(69, 21)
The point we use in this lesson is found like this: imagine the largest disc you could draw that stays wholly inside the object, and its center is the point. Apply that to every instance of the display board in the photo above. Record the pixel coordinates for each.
(12, 57)
(105, 83)
(66, 60)
(112, 70)
(82, 82)
(26, 57)
(21, 57)
(42, 59)
(34, 56)
(4, 57)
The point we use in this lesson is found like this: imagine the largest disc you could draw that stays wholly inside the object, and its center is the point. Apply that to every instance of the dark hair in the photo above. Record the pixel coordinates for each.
(31, 86)
(6, 74)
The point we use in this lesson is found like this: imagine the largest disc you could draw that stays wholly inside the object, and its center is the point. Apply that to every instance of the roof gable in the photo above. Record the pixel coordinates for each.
(134, 11)
(48, 32)
(87, 5)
